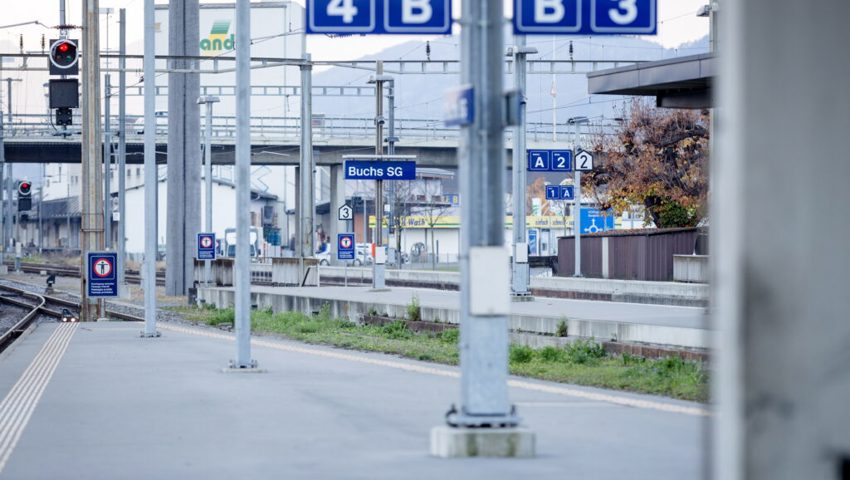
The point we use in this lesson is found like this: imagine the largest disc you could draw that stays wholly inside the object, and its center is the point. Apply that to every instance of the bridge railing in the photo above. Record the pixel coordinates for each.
(271, 129)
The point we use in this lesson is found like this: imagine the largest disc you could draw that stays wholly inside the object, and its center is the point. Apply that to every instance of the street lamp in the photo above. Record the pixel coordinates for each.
(575, 122)
(208, 101)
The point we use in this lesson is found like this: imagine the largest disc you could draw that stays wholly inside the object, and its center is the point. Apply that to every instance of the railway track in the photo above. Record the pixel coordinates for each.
(74, 272)
(36, 305)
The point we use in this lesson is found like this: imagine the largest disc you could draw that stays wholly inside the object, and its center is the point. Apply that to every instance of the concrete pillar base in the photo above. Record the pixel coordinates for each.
(244, 370)
(456, 442)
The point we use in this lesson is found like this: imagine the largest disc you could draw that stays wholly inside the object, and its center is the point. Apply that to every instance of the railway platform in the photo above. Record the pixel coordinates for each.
(96, 401)
(625, 322)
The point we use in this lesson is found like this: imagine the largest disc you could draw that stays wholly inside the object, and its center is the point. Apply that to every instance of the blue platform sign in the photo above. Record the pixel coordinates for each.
(345, 246)
(206, 246)
(539, 160)
(430, 17)
(593, 220)
(560, 192)
(459, 106)
(102, 274)
(562, 160)
(550, 160)
(377, 170)
(585, 17)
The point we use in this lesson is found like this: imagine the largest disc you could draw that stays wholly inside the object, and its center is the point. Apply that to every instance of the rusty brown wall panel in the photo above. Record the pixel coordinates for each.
(640, 256)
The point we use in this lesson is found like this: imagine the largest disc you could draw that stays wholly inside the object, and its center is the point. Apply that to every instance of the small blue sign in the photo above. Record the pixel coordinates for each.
(459, 106)
(560, 192)
(585, 17)
(431, 17)
(377, 170)
(345, 246)
(550, 160)
(206, 246)
(532, 241)
(562, 160)
(593, 220)
(539, 160)
(102, 274)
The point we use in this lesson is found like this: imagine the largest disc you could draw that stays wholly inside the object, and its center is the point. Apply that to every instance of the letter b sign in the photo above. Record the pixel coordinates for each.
(417, 16)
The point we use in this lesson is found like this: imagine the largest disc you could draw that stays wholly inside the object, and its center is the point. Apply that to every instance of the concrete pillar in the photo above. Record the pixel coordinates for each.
(780, 268)
(337, 200)
(184, 154)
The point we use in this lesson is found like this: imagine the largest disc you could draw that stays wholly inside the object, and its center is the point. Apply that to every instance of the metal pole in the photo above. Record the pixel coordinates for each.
(482, 165)
(11, 184)
(107, 164)
(242, 274)
(378, 266)
(91, 194)
(151, 181)
(519, 262)
(391, 139)
(122, 151)
(306, 189)
(208, 180)
(4, 191)
(62, 31)
(577, 203)
(40, 223)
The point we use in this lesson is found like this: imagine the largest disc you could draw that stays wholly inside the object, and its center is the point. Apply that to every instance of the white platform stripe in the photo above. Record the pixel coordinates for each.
(18, 405)
(621, 400)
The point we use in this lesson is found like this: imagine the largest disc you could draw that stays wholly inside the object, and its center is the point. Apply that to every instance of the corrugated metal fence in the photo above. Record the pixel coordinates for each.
(628, 254)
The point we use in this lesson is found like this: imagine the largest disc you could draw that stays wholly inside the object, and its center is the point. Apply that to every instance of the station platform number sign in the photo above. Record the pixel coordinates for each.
(342, 17)
(206, 246)
(560, 192)
(550, 160)
(345, 246)
(585, 17)
(102, 275)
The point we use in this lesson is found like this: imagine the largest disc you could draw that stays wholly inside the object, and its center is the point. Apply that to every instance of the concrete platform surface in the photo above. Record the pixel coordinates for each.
(103, 403)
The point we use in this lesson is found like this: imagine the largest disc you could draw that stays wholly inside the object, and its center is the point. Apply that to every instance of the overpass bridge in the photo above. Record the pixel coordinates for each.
(275, 140)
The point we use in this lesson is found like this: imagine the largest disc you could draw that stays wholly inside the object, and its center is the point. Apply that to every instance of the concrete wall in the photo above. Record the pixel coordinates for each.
(780, 268)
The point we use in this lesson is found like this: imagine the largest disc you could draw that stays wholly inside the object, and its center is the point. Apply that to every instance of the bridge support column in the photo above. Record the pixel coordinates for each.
(779, 278)
(184, 154)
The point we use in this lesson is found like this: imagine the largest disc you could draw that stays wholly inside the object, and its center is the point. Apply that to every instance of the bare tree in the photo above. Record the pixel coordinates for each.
(433, 209)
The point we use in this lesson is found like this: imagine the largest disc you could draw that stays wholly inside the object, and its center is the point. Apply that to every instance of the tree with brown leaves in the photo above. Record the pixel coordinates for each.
(658, 159)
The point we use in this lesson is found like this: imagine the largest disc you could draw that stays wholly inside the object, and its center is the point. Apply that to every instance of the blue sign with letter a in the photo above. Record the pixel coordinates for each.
(539, 160)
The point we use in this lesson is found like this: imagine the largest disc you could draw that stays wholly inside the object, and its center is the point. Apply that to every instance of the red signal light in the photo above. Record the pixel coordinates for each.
(63, 47)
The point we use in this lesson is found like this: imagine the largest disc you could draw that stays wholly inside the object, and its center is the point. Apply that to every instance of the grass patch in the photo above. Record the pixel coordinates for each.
(582, 362)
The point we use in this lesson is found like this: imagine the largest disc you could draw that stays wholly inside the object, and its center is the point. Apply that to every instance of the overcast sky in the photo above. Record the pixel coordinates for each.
(677, 24)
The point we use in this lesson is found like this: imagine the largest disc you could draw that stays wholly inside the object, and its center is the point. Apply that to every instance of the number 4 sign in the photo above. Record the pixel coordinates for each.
(379, 16)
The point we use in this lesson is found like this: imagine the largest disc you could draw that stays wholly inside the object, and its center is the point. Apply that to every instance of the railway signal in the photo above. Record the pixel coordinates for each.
(24, 195)
(64, 57)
